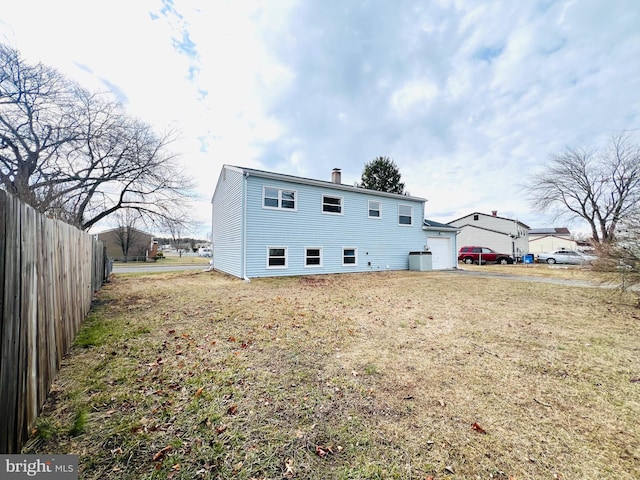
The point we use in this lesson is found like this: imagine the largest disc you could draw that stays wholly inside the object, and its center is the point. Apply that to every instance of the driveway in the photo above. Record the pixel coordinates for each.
(531, 278)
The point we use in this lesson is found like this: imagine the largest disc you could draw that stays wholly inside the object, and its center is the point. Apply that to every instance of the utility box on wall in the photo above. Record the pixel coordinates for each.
(420, 261)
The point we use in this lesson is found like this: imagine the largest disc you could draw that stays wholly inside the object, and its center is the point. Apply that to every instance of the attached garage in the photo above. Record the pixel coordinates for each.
(441, 241)
(440, 248)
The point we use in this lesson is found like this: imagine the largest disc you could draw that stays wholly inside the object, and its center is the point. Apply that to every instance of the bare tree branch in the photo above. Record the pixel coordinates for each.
(600, 187)
(77, 155)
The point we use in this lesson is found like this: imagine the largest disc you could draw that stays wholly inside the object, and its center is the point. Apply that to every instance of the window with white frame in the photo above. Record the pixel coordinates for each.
(375, 209)
(405, 214)
(277, 257)
(278, 198)
(349, 257)
(332, 204)
(313, 257)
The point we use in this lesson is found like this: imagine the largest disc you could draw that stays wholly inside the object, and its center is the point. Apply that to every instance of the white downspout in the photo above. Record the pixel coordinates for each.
(244, 228)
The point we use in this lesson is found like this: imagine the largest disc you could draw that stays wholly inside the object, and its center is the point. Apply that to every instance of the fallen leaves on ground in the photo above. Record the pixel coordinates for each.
(324, 450)
(160, 454)
(478, 428)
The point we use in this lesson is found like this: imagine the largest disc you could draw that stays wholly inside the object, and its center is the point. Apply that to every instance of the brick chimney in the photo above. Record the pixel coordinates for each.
(494, 213)
(336, 176)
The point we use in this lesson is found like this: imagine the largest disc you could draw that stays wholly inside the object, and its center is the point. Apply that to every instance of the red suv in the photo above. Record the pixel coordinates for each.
(482, 255)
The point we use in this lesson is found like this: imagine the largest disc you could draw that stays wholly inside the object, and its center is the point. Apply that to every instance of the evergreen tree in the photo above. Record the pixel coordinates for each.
(382, 174)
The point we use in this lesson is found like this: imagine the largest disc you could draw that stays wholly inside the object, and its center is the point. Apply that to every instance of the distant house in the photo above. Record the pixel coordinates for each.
(501, 234)
(128, 244)
(550, 239)
(269, 224)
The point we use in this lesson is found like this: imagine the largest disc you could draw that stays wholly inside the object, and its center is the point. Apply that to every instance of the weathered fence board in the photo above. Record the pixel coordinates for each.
(49, 272)
(10, 324)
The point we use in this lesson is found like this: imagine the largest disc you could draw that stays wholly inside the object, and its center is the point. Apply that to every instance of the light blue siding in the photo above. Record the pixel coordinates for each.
(227, 218)
(381, 243)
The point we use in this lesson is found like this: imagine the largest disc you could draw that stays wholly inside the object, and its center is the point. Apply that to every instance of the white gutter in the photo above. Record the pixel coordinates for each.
(244, 227)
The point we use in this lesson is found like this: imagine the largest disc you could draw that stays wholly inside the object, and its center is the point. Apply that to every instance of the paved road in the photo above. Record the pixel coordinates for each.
(152, 267)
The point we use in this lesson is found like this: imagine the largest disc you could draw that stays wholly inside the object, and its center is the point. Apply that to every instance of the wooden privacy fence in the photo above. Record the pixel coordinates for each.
(49, 272)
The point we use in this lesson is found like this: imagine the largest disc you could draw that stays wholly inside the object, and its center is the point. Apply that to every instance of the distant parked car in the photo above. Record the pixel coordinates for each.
(569, 257)
(482, 255)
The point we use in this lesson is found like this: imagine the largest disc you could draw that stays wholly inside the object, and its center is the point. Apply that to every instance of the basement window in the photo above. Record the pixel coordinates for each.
(313, 257)
(349, 257)
(277, 257)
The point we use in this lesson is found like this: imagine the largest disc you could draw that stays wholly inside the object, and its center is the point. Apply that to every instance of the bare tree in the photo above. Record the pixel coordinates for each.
(600, 187)
(129, 238)
(78, 156)
(619, 262)
(177, 229)
(36, 122)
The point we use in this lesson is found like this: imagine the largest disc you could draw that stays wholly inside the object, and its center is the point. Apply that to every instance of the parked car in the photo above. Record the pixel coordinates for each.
(481, 255)
(569, 257)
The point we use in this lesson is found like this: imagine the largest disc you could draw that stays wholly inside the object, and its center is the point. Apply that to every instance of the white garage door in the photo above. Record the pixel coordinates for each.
(440, 252)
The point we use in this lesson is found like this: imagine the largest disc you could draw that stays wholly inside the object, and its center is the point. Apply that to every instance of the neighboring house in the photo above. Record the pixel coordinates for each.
(550, 239)
(504, 235)
(128, 244)
(269, 224)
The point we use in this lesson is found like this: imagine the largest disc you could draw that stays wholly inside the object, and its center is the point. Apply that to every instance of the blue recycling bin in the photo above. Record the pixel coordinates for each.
(528, 258)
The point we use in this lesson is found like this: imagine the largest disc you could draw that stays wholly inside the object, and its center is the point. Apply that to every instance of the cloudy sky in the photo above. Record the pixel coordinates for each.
(469, 98)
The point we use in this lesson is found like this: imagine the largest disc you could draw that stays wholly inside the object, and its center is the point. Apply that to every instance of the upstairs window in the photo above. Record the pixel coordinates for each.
(332, 204)
(278, 198)
(374, 209)
(405, 214)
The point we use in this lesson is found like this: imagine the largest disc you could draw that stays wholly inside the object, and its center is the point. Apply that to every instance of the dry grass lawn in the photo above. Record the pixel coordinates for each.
(407, 375)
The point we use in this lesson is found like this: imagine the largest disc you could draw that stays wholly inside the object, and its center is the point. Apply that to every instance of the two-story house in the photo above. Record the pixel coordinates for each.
(504, 235)
(269, 224)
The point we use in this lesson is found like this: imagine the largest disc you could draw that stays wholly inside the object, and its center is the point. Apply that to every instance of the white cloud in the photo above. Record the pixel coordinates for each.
(468, 98)
(413, 97)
